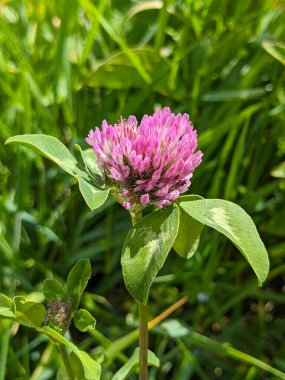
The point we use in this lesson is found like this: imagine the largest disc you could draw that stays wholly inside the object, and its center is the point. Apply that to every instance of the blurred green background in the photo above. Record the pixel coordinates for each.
(65, 66)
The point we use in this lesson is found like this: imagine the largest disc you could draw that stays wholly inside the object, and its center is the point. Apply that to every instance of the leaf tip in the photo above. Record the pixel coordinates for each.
(78, 147)
(8, 141)
(13, 139)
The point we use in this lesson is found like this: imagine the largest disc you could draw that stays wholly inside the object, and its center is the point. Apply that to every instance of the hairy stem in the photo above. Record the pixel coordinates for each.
(143, 327)
(143, 340)
(65, 359)
(114, 349)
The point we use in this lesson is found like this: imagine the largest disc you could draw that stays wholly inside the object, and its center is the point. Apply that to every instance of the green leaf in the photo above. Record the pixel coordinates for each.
(77, 280)
(278, 171)
(90, 162)
(51, 148)
(175, 328)
(7, 313)
(92, 11)
(53, 290)
(93, 196)
(188, 237)
(76, 368)
(189, 197)
(232, 221)
(132, 364)
(146, 248)
(83, 320)
(28, 313)
(276, 49)
(5, 301)
(119, 73)
(92, 369)
(232, 95)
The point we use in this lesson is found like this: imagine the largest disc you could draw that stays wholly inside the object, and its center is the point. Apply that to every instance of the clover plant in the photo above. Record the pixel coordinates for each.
(140, 165)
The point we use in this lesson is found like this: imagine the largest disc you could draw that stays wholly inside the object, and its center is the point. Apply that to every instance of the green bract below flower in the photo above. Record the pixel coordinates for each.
(149, 163)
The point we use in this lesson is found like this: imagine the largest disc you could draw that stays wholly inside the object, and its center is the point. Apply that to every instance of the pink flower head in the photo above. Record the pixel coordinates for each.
(150, 163)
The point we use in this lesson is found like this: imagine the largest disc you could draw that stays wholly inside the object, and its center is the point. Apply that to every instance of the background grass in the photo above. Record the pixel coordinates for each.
(65, 66)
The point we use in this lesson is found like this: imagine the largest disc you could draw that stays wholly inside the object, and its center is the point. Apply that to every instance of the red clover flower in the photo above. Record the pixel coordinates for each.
(149, 163)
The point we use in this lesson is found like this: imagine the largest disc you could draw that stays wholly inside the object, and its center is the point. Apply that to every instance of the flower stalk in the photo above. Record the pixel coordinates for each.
(66, 361)
(143, 341)
(143, 324)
